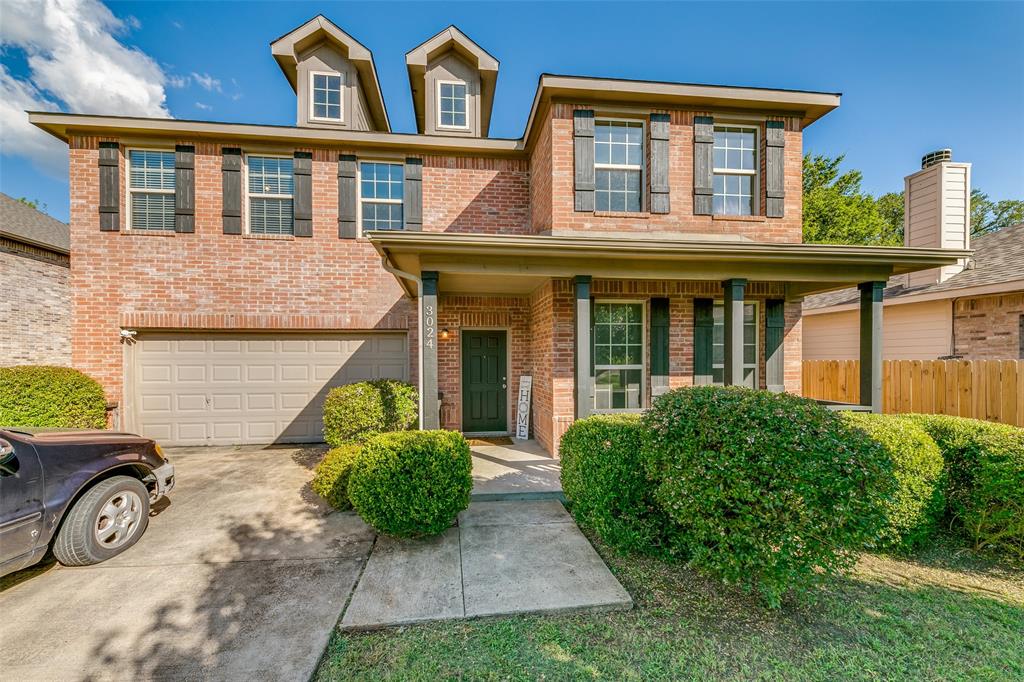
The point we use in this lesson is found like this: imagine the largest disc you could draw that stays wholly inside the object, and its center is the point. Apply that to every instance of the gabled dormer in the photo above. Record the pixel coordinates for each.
(452, 80)
(333, 77)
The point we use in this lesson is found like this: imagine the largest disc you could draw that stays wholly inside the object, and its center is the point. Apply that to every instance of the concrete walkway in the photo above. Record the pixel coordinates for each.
(520, 471)
(503, 557)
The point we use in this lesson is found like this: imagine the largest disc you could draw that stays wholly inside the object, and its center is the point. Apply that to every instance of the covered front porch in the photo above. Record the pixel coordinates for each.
(608, 324)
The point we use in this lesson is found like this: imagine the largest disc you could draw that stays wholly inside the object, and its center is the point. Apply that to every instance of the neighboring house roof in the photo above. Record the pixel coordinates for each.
(998, 259)
(22, 223)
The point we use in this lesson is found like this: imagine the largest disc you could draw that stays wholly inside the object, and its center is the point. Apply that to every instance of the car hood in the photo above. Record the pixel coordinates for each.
(54, 436)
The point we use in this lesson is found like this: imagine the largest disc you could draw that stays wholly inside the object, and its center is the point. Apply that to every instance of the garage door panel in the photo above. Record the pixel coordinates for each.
(205, 388)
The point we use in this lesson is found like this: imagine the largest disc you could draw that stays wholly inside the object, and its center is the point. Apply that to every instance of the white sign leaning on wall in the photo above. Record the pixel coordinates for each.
(523, 407)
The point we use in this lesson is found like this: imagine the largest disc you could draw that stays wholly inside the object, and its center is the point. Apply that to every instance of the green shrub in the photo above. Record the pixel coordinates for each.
(918, 502)
(411, 483)
(603, 479)
(32, 395)
(985, 479)
(768, 491)
(354, 412)
(331, 478)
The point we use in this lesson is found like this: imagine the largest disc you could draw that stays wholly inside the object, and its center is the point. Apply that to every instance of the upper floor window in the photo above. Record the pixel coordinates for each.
(618, 165)
(451, 105)
(618, 355)
(380, 195)
(735, 170)
(749, 345)
(271, 184)
(150, 189)
(325, 91)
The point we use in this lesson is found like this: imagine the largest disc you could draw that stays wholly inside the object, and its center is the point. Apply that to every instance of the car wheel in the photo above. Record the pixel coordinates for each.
(109, 518)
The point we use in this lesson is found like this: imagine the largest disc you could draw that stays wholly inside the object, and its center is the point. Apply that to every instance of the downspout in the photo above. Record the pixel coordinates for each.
(386, 264)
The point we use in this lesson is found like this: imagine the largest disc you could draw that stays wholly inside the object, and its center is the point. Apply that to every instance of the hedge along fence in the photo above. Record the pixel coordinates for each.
(992, 390)
(56, 397)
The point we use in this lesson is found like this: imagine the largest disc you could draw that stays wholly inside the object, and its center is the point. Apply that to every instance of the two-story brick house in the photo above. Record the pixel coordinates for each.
(638, 236)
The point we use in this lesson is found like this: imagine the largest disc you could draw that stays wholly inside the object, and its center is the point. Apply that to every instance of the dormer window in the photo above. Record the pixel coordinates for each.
(325, 91)
(451, 105)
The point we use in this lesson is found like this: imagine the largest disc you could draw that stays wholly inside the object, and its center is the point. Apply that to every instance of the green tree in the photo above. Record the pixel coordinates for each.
(33, 203)
(992, 216)
(838, 211)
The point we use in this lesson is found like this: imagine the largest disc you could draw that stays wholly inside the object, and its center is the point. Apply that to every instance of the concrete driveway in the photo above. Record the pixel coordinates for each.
(243, 575)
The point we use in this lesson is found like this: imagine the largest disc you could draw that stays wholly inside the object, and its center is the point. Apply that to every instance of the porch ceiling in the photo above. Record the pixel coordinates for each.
(517, 264)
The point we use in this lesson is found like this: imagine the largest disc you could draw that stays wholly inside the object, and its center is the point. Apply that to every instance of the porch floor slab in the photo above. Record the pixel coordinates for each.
(502, 557)
(522, 471)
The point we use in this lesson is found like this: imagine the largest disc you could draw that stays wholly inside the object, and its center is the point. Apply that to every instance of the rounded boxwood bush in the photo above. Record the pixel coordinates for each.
(918, 501)
(411, 483)
(604, 481)
(984, 479)
(767, 491)
(356, 411)
(330, 481)
(61, 397)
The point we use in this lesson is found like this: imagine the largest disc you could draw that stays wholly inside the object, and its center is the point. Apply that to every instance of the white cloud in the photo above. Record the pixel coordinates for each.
(204, 107)
(178, 81)
(75, 59)
(206, 81)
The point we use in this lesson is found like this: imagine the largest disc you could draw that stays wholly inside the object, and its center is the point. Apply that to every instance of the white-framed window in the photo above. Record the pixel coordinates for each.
(735, 170)
(325, 95)
(618, 165)
(619, 342)
(380, 195)
(750, 345)
(270, 184)
(452, 104)
(150, 189)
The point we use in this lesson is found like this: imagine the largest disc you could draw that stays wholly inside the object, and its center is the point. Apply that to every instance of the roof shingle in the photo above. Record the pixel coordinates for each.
(22, 223)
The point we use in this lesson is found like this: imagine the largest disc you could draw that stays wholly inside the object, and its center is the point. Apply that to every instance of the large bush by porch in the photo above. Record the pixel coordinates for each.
(768, 491)
(354, 412)
(56, 397)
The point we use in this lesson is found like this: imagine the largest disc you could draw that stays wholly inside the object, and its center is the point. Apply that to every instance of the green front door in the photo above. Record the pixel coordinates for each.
(484, 381)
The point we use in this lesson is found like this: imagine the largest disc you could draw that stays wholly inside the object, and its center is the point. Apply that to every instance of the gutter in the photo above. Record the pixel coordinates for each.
(386, 264)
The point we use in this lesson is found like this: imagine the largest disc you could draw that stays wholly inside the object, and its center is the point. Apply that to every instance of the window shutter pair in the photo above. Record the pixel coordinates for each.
(231, 189)
(302, 194)
(110, 186)
(659, 163)
(703, 164)
(348, 196)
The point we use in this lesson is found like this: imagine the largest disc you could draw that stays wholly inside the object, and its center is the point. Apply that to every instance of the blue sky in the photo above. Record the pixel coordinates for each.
(915, 76)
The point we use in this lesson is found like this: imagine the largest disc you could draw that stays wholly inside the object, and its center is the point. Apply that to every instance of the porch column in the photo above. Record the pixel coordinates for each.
(584, 382)
(871, 344)
(428, 351)
(734, 289)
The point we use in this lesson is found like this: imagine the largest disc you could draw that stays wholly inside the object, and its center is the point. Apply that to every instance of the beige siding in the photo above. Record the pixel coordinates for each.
(914, 331)
(937, 208)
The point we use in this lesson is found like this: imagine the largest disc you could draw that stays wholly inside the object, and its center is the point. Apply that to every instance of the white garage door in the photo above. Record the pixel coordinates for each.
(226, 389)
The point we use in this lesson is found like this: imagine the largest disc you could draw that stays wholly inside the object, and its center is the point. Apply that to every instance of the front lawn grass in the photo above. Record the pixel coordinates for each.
(941, 615)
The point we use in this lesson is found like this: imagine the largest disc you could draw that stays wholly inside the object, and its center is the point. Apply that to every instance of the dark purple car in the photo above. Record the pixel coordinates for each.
(85, 493)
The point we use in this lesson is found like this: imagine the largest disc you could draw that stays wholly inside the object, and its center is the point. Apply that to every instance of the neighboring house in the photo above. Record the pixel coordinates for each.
(35, 301)
(638, 236)
(972, 310)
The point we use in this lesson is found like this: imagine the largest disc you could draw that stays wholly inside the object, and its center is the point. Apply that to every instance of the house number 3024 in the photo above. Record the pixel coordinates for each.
(428, 326)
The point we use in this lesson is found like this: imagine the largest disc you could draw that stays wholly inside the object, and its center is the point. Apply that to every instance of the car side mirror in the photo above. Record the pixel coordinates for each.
(8, 460)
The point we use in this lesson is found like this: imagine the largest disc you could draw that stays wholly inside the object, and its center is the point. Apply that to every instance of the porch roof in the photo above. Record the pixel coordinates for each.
(516, 264)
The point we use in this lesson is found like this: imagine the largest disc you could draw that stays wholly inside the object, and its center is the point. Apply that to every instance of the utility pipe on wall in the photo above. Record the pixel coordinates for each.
(386, 264)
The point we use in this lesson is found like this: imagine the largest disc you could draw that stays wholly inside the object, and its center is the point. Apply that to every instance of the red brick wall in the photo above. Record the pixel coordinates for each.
(35, 306)
(557, 132)
(476, 195)
(988, 327)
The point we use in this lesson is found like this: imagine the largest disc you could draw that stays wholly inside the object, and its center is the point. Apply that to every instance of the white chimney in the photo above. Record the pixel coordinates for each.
(937, 211)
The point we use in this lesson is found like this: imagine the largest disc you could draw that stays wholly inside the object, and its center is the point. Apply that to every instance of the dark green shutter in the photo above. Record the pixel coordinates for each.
(774, 163)
(302, 199)
(184, 188)
(583, 155)
(412, 201)
(110, 186)
(659, 163)
(703, 168)
(347, 196)
(231, 186)
(659, 346)
(703, 339)
(775, 330)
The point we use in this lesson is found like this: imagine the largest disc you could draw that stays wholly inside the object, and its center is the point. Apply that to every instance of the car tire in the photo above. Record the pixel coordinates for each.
(108, 519)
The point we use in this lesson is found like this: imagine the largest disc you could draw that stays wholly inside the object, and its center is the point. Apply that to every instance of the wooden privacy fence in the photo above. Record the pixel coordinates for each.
(982, 389)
